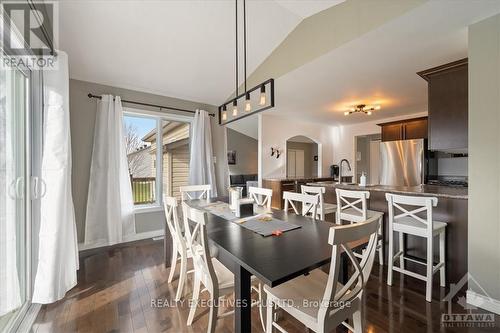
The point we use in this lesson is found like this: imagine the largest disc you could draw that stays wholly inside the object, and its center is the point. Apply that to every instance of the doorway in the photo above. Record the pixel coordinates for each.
(301, 157)
(295, 163)
(368, 158)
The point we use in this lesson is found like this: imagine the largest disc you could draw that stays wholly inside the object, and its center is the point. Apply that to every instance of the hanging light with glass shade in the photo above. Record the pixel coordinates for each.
(266, 89)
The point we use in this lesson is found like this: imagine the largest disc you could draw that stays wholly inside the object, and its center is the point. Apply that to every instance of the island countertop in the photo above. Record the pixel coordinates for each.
(452, 208)
(425, 190)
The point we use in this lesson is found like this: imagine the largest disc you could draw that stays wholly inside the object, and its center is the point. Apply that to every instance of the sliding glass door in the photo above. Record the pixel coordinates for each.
(14, 196)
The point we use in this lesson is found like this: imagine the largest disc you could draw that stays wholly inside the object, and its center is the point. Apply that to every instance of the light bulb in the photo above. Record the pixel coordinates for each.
(262, 99)
(248, 106)
(368, 112)
(346, 113)
(235, 108)
(377, 107)
(224, 115)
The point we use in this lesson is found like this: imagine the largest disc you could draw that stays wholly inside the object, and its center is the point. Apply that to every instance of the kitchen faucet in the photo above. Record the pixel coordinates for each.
(340, 169)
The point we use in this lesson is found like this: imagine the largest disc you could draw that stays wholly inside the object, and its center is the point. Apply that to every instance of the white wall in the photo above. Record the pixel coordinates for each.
(484, 163)
(344, 137)
(246, 153)
(275, 130)
(82, 115)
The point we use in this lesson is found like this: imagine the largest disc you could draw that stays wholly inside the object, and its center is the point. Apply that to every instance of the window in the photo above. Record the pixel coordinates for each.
(15, 171)
(150, 162)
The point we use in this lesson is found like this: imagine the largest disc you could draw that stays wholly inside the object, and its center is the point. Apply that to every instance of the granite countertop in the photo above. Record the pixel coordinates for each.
(296, 178)
(425, 190)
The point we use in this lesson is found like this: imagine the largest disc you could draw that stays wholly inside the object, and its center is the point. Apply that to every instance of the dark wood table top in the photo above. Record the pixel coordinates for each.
(274, 259)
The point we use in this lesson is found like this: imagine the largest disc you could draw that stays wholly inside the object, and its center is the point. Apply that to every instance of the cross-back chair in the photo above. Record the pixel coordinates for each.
(261, 196)
(323, 207)
(190, 192)
(352, 206)
(317, 300)
(412, 215)
(309, 203)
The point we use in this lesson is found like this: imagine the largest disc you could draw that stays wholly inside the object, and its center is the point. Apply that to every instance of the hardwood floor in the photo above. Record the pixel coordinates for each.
(116, 288)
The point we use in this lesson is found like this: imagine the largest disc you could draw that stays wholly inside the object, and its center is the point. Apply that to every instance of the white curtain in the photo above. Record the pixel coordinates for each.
(10, 297)
(110, 205)
(58, 246)
(201, 164)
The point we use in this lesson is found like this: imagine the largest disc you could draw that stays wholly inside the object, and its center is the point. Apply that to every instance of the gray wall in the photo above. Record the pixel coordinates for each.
(310, 149)
(246, 153)
(83, 114)
(484, 164)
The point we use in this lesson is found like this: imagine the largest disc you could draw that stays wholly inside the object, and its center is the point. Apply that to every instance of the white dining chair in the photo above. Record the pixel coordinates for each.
(261, 196)
(190, 192)
(412, 215)
(211, 273)
(324, 208)
(208, 271)
(309, 203)
(352, 206)
(317, 299)
(180, 249)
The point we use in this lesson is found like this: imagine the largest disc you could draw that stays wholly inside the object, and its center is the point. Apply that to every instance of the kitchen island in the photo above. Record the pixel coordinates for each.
(451, 208)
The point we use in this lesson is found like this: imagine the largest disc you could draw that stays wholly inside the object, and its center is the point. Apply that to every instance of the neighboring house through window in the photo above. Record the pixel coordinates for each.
(142, 132)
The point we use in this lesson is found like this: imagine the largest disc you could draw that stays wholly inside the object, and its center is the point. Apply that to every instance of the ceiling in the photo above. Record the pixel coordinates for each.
(379, 67)
(183, 49)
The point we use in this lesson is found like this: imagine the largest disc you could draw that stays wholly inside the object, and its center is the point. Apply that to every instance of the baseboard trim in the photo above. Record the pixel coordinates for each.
(483, 302)
(130, 238)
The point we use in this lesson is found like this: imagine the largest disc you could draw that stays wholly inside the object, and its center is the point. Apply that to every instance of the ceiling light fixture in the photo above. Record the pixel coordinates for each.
(266, 100)
(362, 108)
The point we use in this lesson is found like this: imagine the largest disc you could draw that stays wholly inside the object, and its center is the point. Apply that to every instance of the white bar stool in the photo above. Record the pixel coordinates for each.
(408, 222)
(323, 207)
(352, 207)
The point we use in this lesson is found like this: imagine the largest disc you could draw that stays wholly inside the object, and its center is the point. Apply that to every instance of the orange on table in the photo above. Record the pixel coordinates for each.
(277, 232)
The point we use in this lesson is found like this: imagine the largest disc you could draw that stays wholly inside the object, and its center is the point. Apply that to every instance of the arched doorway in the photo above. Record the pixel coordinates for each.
(302, 157)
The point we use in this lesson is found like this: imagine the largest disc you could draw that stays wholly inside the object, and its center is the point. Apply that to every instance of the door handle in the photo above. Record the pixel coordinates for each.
(16, 188)
(39, 188)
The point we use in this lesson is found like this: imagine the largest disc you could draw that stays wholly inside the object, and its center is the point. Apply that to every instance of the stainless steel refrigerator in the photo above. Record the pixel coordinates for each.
(402, 162)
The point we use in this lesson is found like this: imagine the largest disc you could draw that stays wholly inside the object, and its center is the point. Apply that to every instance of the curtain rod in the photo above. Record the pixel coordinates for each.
(151, 105)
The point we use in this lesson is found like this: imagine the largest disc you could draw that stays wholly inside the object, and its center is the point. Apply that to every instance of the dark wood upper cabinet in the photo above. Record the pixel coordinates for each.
(448, 106)
(405, 129)
(415, 129)
(392, 132)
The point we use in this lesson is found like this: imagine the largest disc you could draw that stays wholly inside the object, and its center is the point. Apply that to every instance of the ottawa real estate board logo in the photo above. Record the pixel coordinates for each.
(29, 33)
(471, 316)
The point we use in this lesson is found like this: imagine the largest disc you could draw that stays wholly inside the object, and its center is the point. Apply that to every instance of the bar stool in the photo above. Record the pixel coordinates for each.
(408, 222)
(352, 207)
(323, 207)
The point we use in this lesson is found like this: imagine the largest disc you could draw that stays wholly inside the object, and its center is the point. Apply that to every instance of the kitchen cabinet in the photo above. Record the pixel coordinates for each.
(405, 129)
(415, 129)
(448, 106)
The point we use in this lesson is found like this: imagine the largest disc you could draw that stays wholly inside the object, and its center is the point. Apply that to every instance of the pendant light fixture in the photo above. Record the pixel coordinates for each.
(266, 97)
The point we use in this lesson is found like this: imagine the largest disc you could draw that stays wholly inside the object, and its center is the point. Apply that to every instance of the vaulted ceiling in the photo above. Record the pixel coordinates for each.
(326, 55)
(177, 48)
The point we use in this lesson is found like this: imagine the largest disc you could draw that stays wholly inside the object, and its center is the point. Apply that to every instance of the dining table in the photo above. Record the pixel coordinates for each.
(274, 259)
